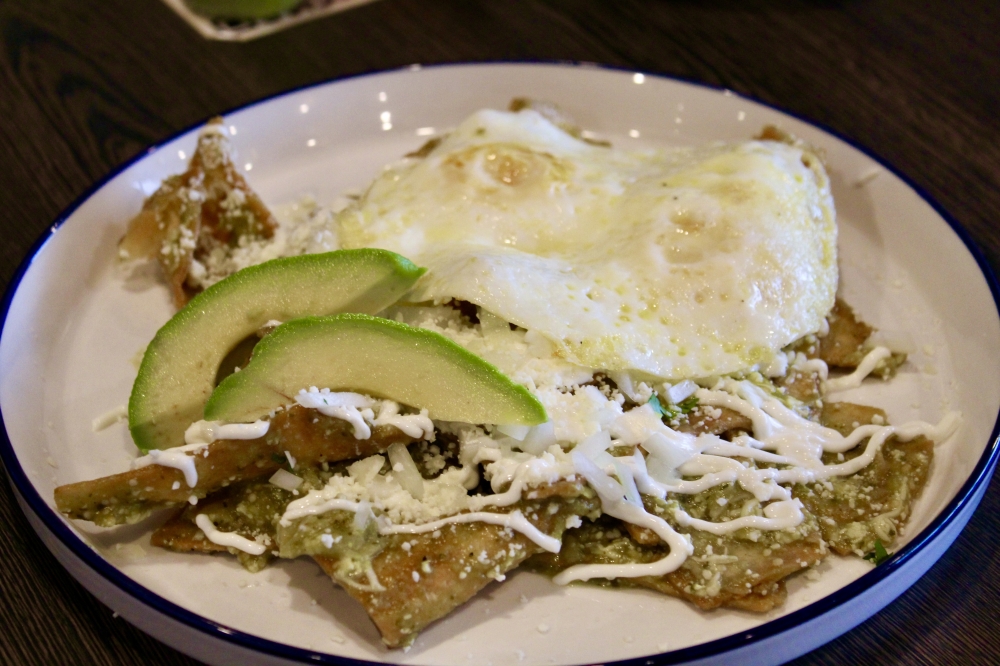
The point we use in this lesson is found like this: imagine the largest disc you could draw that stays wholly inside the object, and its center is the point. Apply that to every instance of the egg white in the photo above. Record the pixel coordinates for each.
(676, 263)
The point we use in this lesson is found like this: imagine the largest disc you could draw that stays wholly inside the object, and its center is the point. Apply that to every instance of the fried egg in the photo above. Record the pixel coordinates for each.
(675, 263)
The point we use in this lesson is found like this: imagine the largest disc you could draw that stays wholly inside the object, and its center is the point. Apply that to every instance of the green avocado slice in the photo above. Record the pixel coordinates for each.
(178, 370)
(379, 357)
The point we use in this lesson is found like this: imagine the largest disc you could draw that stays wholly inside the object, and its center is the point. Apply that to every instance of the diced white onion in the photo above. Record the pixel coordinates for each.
(539, 439)
(285, 480)
(609, 490)
(596, 444)
(680, 391)
(624, 382)
(518, 432)
(405, 471)
(624, 475)
(665, 456)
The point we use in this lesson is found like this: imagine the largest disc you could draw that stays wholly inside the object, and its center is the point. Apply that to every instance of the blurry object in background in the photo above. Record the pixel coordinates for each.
(241, 20)
(242, 10)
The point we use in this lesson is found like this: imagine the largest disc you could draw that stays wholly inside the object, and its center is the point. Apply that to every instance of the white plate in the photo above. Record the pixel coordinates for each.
(72, 327)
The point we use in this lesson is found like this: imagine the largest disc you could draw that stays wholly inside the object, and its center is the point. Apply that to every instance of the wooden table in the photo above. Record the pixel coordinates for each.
(86, 86)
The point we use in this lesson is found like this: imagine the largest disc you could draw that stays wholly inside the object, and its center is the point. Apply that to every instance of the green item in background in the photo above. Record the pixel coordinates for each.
(242, 9)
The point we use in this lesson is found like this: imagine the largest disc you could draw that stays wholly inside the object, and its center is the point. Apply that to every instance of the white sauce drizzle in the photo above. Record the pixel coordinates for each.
(343, 405)
(515, 520)
(780, 436)
(777, 516)
(865, 368)
(359, 411)
(227, 539)
(311, 506)
(177, 458)
(206, 432)
(109, 418)
(414, 425)
(797, 441)
(613, 503)
(198, 436)
(801, 363)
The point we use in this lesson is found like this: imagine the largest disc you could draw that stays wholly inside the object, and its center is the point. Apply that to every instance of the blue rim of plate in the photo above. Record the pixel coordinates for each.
(979, 477)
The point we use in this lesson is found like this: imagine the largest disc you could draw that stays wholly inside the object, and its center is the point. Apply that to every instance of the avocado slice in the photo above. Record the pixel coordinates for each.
(379, 357)
(178, 370)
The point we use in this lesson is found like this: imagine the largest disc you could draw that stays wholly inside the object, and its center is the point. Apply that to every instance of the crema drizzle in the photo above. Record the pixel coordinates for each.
(674, 462)
(359, 411)
(177, 458)
(198, 436)
(228, 539)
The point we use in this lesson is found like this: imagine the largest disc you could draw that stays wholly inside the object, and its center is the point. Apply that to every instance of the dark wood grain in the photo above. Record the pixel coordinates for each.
(86, 86)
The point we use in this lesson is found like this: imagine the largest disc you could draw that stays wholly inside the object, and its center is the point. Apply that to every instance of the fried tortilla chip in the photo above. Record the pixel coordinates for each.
(250, 509)
(715, 422)
(209, 209)
(309, 437)
(856, 511)
(846, 343)
(742, 570)
(406, 581)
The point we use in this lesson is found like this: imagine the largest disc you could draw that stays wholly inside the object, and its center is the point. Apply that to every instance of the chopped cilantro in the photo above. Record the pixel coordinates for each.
(879, 555)
(654, 402)
(672, 411)
(278, 458)
(687, 406)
